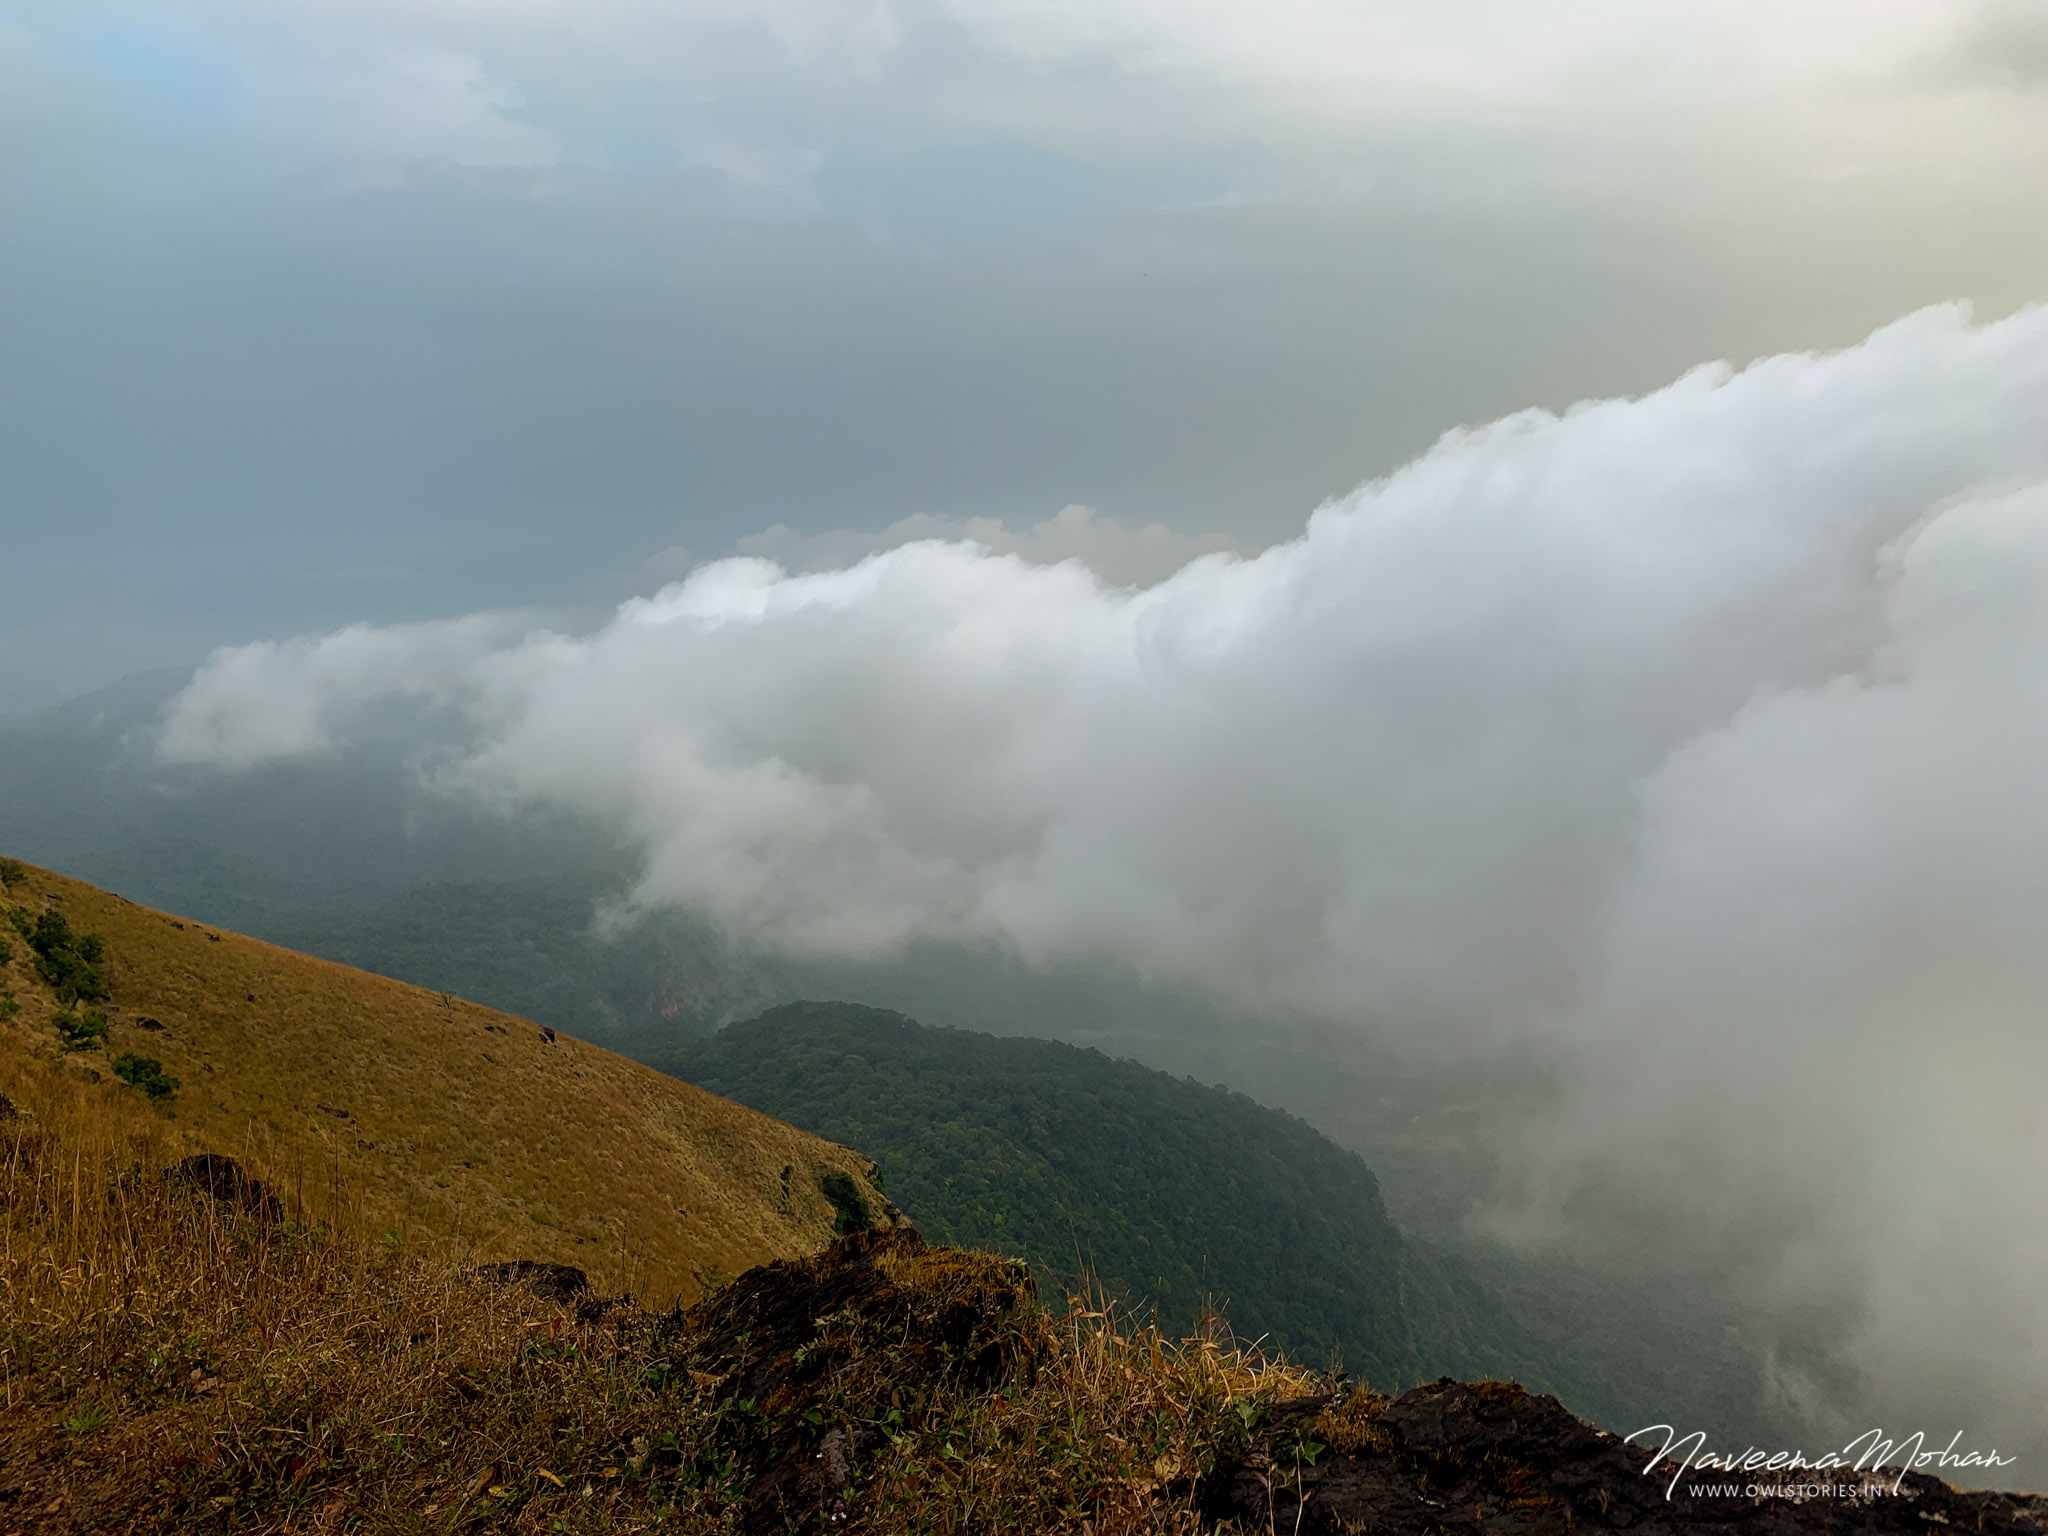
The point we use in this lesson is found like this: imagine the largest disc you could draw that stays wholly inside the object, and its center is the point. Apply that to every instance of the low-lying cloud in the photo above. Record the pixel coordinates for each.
(1699, 737)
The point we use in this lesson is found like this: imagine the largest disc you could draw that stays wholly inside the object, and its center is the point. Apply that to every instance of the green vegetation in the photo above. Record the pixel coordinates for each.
(146, 1075)
(1172, 1195)
(82, 1030)
(844, 1194)
(71, 963)
(1179, 1196)
(12, 872)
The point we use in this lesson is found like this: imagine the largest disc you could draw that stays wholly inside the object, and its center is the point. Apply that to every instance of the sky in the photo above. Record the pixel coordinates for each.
(316, 312)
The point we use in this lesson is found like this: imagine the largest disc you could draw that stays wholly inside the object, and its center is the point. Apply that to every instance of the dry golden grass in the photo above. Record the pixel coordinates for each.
(456, 1128)
(1110, 1437)
(170, 1363)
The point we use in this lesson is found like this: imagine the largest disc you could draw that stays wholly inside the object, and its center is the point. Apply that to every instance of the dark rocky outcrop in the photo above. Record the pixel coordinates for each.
(563, 1283)
(228, 1182)
(1491, 1457)
(823, 1348)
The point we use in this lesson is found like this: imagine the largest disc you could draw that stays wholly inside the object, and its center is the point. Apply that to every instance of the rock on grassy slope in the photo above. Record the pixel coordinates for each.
(419, 1115)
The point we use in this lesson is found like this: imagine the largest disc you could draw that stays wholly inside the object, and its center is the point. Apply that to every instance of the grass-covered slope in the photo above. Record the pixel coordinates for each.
(172, 1361)
(1174, 1194)
(442, 1123)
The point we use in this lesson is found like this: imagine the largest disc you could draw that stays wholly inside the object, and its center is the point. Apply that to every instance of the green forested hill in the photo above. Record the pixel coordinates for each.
(1175, 1194)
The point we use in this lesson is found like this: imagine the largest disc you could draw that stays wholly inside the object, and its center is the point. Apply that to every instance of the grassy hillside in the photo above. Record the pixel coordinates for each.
(169, 1362)
(173, 1361)
(1175, 1195)
(440, 1124)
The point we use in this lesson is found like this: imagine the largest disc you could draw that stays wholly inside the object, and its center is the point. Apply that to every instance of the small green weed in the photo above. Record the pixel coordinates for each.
(69, 961)
(146, 1075)
(81, 1030)
(854, 1215)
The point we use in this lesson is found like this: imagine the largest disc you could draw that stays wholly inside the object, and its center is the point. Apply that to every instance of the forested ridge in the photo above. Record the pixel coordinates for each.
(1175, 1195)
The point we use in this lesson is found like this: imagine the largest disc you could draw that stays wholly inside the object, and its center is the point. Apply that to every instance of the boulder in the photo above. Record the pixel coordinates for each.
(228, 1182)
(824, 1348)
(562, 1283)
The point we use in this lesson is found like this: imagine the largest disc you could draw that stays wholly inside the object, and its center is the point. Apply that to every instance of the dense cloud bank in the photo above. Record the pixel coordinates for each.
(1700, 736)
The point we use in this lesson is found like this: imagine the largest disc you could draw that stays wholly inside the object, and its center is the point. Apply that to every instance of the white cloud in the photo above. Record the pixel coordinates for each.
(2001, 43)
(1754, 91)
(277, 700)
(415, 103)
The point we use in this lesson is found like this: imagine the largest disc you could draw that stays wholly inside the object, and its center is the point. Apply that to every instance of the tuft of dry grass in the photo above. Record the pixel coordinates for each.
(1113, 1436)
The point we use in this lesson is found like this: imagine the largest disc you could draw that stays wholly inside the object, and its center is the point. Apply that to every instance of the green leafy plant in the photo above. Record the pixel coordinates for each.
(146, 1075)
(9, 1007)
(81, 1031)
(844, 1194)
(12, 872)
(71, 962)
